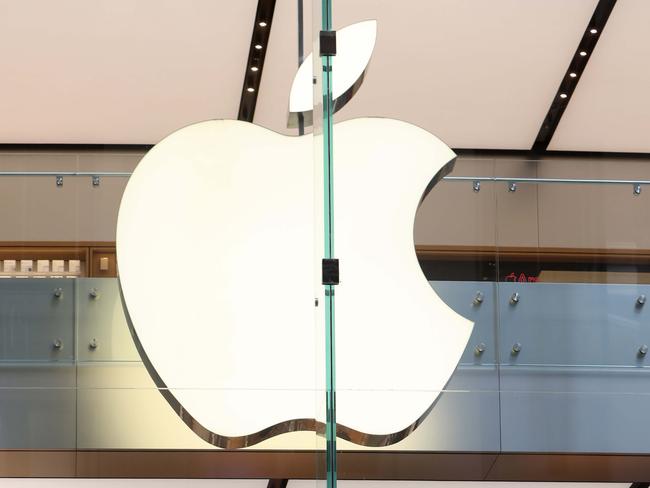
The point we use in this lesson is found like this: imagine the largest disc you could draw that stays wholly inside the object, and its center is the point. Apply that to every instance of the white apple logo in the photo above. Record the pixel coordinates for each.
(217, 255)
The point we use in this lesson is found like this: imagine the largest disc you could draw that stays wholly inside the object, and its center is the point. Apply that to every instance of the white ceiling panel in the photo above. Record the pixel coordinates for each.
(119, 71)
(477, 74)
(610, 108)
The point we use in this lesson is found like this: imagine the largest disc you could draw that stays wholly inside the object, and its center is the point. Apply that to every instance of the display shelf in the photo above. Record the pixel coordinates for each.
(75, 259)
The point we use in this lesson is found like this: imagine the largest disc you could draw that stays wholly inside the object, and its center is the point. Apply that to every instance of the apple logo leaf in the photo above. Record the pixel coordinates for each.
(355, 44)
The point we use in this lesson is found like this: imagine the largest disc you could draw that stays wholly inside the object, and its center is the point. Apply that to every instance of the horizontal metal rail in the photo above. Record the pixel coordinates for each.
(546, 180)
(473, 179)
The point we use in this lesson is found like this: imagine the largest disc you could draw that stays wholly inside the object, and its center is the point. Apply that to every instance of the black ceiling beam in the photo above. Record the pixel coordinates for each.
(531, 155)
(47, 146)
(255, 62)
(277, 483)
(573, 73)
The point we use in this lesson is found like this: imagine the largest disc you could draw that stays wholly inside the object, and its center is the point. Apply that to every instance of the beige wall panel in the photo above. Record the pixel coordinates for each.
(98, 208)
(35, 209)
(594, 216)
(454, 214)
(110, 160)
(516, 211)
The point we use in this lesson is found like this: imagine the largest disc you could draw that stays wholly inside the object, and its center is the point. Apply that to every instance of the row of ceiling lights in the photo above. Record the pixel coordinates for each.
(263, 24)
(255, 63)
(581, 53)
(573, 73)
(258, 47)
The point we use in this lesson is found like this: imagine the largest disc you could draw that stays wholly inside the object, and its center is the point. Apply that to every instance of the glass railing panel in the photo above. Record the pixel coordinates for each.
(572, 323)
(103, 333)
(37, 364)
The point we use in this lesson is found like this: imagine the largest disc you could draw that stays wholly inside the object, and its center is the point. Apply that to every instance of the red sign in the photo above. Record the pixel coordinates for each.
(522, 278)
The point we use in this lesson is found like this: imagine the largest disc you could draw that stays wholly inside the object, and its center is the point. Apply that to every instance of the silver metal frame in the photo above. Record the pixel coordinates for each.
(546, 180)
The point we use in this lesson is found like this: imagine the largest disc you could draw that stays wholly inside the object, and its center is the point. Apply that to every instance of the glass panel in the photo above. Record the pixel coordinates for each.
(329, 225)
(74, 381)
(487, 304)
(572, 324)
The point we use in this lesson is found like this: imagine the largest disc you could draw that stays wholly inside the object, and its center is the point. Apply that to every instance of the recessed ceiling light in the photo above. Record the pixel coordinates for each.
(250, 89)
(254, 68)
(583, 53)
(573, 75)
(258, 46)
(562, 95)
(262, 24)
(594, 31)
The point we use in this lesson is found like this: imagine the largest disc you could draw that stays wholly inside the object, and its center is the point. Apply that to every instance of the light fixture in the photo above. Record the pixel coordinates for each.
(233, 357)
(256, 53)
(250, 89)
(594, 31)
(573, 75)
(563, 95)
(583, 53)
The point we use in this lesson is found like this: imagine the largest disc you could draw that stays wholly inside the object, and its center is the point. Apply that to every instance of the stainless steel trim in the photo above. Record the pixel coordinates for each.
(546, 180)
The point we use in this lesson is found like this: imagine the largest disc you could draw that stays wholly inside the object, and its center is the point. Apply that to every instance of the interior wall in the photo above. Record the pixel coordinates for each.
(36, 209)
(453, 214)
(545, 215)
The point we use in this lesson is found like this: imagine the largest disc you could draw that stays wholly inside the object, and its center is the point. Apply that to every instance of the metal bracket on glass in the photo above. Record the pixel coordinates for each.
(59, 180)
(480, 349)
(96, 180)
(327, 43)
(643, 350)
(476, 186)
(516, 348)
(57, 344)
(637, 189)
(478, 298)
(512, 187)
(330, 271)
(94, 293)
(93, 344)
(514, 298)
(640, 301)
(58, 293)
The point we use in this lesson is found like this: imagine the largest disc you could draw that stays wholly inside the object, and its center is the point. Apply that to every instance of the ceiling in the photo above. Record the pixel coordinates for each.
(478, 74)
(610, 109)
(118, 71)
